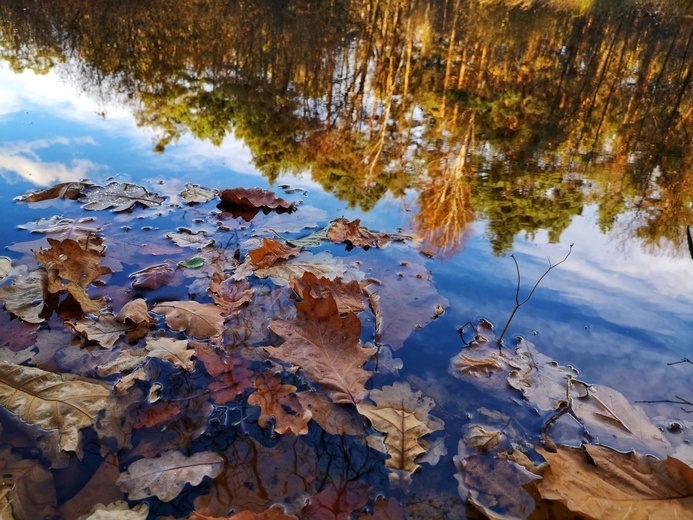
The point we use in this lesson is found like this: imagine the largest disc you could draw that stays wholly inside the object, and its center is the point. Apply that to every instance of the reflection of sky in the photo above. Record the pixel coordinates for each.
(609, 310)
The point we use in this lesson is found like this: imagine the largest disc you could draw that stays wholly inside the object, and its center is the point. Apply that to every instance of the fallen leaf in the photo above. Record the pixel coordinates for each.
(333, 418)
(101, 487)
(271, 252)
(64, 227)
(482, 440)
(187, 238)
(166, 475)
(72, 269)
(326, 346)
(598, 482)
(155, 276)
(275, 512)
(16, 334)
(119, 197)
(65, 190)
(494, 486)
(25, 298)
(279, 405)
(119, 510)
(193, 263)
(5, 267)
(255, 199)
(105, 330)
(194, 194)
(403, 416)
(230, 295)
(341, 230)
(347, 295)
(31, 490)
(200, 320)
(157, 413)
(175, 351)
(231, 374)
(323, 264)
(135, 312)
(126, 361)
(52, 401)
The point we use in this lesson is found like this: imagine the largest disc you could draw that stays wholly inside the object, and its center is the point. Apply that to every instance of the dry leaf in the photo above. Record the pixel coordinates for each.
(341, 230)
(255, 198)
(119, 510)
(52, 401)
(175, 351)
(348, 295)
(200, 320)
(25, 299)
(65, 190)
(136, 312)
(279, 405)
(189, 239)
(326, 346)
(333, 418)
(119, 197)
(402, 415)
(194, 194)
(106, 330)
(598, 482)
(166, 475)
(271, 252)
(72, 269)
(154, 277)
(231, 295)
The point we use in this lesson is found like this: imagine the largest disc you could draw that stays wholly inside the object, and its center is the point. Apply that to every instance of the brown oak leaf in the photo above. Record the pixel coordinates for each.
(279, 405)
(271, 252)
(348, 295)
(326, 346)
(230, 295)
(200, 320)
(254, 199)
(72, 269)
(341, 230)
(231, 374)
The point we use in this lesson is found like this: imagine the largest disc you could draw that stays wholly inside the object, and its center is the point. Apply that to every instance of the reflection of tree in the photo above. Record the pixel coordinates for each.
(373, 97)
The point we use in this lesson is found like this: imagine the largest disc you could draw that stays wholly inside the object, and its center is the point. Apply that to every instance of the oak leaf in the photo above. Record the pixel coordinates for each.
(256, 199)
(598, 482)
(194, 194)
(136, 312)
(25, 298)
(119, 510)
(271, 252)
(119, 197)
(323, 264)
(333, 418)
(279, 405)
(72, 269)
(326, 346)
(187, 238)
(402, 415)
(166, 475)
(175, 351)
(200, 320)
(105, 330)
(348, 295)
(65, 190)
(341, 230)
(231, 374)
(155, 276)
(230, 295)
(52, 401)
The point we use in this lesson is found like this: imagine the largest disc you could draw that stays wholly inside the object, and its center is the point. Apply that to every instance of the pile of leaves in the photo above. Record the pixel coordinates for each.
(237, 368)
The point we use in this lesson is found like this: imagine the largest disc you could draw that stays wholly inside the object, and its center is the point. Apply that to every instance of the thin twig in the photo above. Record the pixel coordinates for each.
(519, 303)
(684, 360)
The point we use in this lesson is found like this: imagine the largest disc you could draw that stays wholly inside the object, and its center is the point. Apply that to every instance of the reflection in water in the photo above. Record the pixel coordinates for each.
(506, 111)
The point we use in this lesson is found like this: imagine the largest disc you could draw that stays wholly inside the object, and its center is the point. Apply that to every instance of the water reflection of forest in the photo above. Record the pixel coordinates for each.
(516, 114)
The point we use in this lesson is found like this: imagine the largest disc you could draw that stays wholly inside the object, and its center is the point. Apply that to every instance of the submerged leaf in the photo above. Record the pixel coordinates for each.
(119, 197)
(25, 299)
(326, 346)
(166, 475)
(28, 488)
(200, 320)
(598, 482)
(279, 405)
(52, 401)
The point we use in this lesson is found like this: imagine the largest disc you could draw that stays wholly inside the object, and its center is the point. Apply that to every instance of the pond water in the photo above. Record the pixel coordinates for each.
(484, 131)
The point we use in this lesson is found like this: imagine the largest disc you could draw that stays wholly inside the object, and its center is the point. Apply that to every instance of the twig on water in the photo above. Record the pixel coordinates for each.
(519, 303)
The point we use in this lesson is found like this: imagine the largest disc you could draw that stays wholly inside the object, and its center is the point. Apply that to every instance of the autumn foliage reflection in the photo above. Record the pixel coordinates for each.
(572, 104)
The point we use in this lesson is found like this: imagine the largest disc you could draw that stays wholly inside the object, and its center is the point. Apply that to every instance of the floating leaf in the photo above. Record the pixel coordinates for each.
(341, 230)
(194, 194)
(30, 489)
(279, 405)
(256, 198)
(165, 476)
(65, 190)
(52, 401)
(119, 197)
(187, 238)
(326, 346)
(281, 273)
(347, 295)
(231, 295)
(271, 252)
(193, 263)
(598, 482)
(200, 320)
(105, 330)
(72, 269)
(119, 510)
(175, 351)
(154, 277)
(402, 415)
(25, 298)
(64, 227)
(5, 267)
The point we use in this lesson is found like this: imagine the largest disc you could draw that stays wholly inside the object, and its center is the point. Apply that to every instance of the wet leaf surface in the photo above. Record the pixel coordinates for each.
(118, 197)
